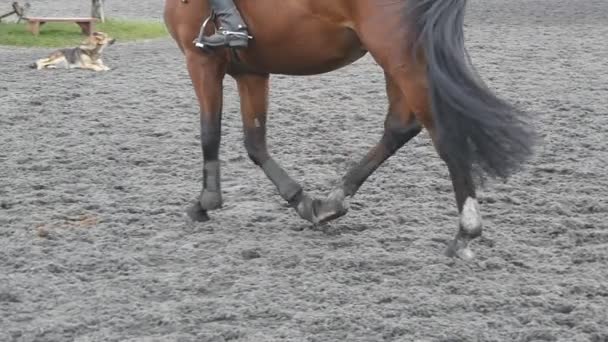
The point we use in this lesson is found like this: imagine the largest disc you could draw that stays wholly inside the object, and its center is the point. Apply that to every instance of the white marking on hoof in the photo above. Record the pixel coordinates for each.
(459, 248)
(465, 254)
(339, 196)
(470, 218)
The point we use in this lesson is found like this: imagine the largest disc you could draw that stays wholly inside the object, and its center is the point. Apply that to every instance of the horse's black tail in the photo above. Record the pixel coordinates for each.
(473, 125)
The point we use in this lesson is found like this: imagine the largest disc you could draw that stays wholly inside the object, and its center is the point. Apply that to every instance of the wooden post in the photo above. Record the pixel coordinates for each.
(97, 10)
(34, 27)
(86, 27)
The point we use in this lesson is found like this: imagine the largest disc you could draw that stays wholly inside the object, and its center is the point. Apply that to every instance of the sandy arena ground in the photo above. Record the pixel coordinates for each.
(97, 168)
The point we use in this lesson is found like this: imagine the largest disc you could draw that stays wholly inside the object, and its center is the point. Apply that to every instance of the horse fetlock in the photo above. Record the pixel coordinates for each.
(290, 191)
(210, 200)
(470, 219)
(339, 196)
(459, 248)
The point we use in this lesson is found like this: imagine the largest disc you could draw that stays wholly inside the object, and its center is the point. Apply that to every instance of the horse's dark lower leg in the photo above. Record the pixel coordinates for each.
(399, 127)
(255, 144)
(253, 90)
(207, 80)
(396, 134)
(211, 197)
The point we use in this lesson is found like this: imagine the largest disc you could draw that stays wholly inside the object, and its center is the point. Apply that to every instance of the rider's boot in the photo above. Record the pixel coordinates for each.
(232, 31)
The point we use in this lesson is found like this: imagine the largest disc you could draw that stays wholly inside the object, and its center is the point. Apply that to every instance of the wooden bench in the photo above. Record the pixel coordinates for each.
(86, 24)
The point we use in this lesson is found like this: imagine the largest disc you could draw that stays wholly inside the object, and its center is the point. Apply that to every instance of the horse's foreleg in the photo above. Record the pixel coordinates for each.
(399, 127)
(207, 76)
(253, 90)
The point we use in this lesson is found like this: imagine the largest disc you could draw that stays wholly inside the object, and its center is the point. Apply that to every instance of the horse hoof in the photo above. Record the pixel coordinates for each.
(325, 212)
(196, 213)
(305, 208)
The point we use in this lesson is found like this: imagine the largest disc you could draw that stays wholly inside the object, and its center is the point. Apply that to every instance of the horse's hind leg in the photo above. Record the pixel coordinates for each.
(390, 47)
(470, 225)
(459, 164)
(253, 90)
(399, 127)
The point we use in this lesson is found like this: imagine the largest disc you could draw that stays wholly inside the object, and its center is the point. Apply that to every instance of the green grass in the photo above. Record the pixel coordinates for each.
(68, 34)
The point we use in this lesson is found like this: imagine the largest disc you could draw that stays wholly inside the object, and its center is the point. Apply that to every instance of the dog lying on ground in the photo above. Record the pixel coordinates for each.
(85, 56)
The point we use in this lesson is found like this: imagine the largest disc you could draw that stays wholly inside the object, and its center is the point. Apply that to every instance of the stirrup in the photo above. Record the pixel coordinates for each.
(197, 42)
(201, 32)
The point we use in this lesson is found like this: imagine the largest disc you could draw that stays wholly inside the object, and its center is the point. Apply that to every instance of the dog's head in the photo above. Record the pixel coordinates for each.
(97, 41)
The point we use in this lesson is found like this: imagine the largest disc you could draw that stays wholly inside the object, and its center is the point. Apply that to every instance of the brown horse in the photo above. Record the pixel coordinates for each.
(429, 80)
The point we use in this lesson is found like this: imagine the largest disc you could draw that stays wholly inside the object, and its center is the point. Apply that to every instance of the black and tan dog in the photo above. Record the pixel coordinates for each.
(85, 56)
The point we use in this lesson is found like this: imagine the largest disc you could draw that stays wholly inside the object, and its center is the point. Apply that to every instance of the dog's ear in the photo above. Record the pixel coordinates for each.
(100, 36)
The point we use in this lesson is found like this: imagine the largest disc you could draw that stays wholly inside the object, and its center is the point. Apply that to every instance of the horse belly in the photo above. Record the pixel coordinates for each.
(306, 52)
